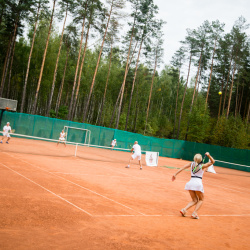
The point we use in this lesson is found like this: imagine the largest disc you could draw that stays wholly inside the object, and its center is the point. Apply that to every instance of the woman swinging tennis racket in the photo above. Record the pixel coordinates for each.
(195, 186)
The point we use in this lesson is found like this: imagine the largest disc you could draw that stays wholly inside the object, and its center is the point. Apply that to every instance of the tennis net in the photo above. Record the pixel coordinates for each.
(32, 145)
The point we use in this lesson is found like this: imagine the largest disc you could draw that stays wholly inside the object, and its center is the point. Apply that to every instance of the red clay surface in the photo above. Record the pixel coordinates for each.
(53, 200)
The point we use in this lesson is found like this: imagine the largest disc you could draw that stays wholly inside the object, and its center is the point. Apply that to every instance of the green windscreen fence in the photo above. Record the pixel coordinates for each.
(44, 127)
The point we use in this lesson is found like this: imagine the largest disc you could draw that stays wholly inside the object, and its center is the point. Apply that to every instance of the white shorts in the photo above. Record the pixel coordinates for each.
(6, 134)
(61, 139)
(138, 156)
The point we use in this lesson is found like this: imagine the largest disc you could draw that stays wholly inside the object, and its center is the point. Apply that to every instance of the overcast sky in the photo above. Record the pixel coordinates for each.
(183, 14)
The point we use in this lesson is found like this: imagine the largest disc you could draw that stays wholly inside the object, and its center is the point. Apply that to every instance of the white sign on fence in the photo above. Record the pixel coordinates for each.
(152, 158)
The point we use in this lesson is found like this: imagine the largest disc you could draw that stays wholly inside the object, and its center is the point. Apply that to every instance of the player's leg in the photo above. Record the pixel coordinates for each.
(191, 203)
(8, 138)
(139, 159)
(2, 137)
(131, 158)
(200, 196)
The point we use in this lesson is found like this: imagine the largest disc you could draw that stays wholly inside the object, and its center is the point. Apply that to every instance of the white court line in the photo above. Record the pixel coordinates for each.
(130, 215)
(58, 196)
(218, 186)
(213, 185)
(225, 215)
(115, 170)
(103, 175)
(183, 191)
(81, 186)
(173, 215)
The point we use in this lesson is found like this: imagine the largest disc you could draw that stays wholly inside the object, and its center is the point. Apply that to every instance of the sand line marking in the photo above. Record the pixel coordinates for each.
(214, 185)
(130, 215)
(116, 171)
(103, 196)
(58, 196)
(223, 187)
(172, 215)
(101, 175)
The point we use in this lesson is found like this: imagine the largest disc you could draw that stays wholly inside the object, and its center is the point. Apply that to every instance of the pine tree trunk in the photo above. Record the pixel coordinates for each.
(57, 60)
(182, 104)
(133, 85)
(8, 55)
(10, 72)
(191, 107)
(77, 66)
(80, 71)
(106, 86)
(117, 100)
(211, 71)
(43, 62)
(241, 97)
(151, 88)
(231, 91)
(62, 83)
(222, 85)
(237, 98)
(28, 66)
(225, 95)
(197, 89)
(5, 62)
(97, 65)
(176, 101)
(248, 112)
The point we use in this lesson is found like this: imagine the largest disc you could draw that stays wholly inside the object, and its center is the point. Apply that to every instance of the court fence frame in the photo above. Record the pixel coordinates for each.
(87, 136)
(45, 127)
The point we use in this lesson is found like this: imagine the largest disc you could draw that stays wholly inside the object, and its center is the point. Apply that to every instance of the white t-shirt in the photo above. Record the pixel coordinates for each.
(62, 135)
(6, 129)
(137, 149)
(113, 142)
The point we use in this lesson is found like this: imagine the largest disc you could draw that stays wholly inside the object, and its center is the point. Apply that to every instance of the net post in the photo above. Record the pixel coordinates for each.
(76, 149)
(89, 137)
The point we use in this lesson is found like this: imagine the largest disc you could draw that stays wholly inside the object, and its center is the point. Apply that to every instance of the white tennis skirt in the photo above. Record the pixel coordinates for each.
(195, 184)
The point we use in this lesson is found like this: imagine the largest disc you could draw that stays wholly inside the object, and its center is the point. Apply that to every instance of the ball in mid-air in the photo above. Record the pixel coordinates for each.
(220, 93)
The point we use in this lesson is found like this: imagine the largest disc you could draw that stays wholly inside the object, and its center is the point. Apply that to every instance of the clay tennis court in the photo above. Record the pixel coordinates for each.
(53, 200)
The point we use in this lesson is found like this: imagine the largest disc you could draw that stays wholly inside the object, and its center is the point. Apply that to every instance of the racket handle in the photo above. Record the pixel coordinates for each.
(204, 158)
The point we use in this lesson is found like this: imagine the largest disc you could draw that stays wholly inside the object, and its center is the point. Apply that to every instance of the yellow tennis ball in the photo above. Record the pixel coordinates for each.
(220, 93)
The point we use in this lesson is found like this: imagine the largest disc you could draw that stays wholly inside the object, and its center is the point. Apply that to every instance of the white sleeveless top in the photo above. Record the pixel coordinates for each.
(199, 173)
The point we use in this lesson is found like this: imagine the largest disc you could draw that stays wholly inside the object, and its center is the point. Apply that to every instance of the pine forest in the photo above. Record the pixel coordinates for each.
(101, 62)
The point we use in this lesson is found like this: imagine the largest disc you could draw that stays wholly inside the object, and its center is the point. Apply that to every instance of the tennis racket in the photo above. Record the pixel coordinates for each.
(13, 131)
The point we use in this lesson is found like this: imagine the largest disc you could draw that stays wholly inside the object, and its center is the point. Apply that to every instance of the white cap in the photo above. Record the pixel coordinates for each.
(8, 123)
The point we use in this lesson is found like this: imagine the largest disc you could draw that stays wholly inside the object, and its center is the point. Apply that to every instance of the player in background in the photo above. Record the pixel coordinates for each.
(137, 154)
(211, 169)
(195, 186)
(6, 131)
(113, 143)
(62, 138)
